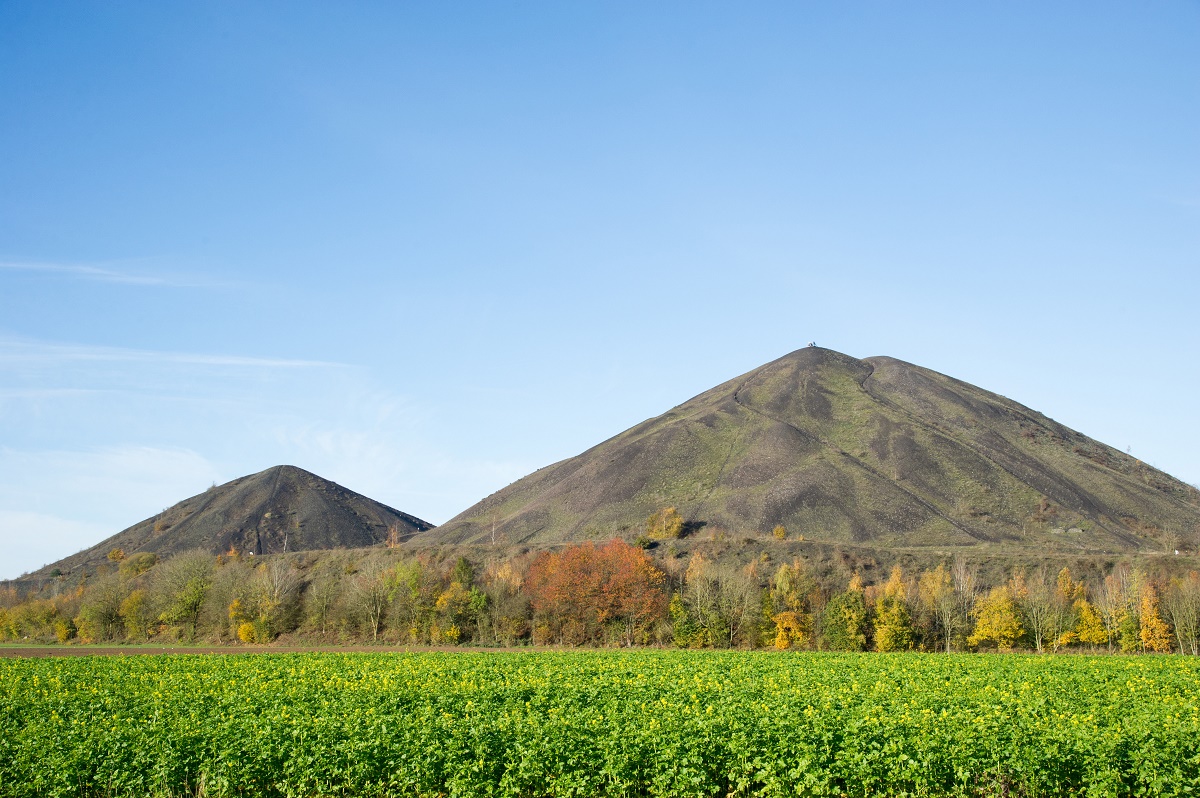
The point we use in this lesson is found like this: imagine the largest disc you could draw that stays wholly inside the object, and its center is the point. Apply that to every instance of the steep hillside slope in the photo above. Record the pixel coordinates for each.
(281, 509)
(873, 451)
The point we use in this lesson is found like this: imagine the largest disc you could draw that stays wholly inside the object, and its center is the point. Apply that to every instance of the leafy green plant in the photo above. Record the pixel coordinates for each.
(654, 723)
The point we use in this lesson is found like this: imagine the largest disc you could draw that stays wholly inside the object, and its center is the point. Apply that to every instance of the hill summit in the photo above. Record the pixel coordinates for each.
(281, 509)
(876, 452)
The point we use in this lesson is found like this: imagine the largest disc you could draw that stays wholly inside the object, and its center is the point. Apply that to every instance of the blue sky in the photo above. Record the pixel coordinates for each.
(424, 249)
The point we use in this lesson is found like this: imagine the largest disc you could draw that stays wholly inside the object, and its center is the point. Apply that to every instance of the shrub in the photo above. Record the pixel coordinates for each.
(664, 524)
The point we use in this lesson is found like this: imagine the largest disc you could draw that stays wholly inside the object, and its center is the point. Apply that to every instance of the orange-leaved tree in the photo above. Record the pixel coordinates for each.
(588, 593)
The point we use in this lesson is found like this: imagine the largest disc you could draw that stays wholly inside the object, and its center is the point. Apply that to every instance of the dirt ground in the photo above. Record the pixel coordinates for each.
(125, 651)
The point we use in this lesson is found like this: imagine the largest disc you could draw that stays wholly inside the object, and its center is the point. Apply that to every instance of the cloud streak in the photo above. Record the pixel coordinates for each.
(46, 393)
(18, 351)
(107, 274)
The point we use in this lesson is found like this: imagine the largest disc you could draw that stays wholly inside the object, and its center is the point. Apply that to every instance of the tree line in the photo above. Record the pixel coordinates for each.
(609, 594)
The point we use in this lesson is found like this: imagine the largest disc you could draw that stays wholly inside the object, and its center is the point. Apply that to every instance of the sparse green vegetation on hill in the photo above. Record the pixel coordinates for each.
(874, 452)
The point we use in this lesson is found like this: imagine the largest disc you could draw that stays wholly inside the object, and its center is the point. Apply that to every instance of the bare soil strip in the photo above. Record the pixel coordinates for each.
(122, 651)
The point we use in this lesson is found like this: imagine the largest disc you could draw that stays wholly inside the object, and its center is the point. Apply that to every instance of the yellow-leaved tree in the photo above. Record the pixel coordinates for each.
(941, 600)
(893, 621)
(1090, 628)
(788, 598)
(666, 523)
(1066, 610)
(1154, 632)
(790, 629)
(996, 620)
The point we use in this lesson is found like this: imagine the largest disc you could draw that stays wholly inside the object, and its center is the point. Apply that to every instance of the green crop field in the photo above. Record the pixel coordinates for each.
(599, 723)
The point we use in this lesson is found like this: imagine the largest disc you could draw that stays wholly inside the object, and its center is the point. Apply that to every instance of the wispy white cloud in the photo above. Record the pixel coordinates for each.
(68, 435)
(30, 540)
(54, 503)
(44, 393)
(106, 273)
(16, 350)
(395, 464)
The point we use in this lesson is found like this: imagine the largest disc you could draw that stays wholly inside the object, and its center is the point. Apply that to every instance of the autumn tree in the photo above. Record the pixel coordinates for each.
(1153, 630)
(458, 608)
(792, 587)
(893, 619)
(136, 616)
(694, 609)
(788, 605)
(460, 605)
(507, 619)
(242, 619)
(36, 618)
(270, 602)
(967, 589)
(724, 603)
(369, 591)
(1065, 620)
(323, 593)
(1089, 625)
(1183, 611)
(137, 564)
(100, 611)
(1129, 624)
(412, 592)
(228, 607)
(844, 621)
(1046, 607)
(685, 631)
(941, 600)
(583, 592)
(739, 603)
(181, 585)
(1129, 633)
(996, 620)
(278, 586)
(1112, 602)
(664, 524)
(65, 629)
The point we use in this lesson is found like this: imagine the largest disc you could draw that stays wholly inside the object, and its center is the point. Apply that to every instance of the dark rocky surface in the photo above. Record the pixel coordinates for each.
(280, 509)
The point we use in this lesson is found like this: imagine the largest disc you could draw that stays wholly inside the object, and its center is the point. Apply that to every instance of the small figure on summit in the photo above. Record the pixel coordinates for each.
(812, 343)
